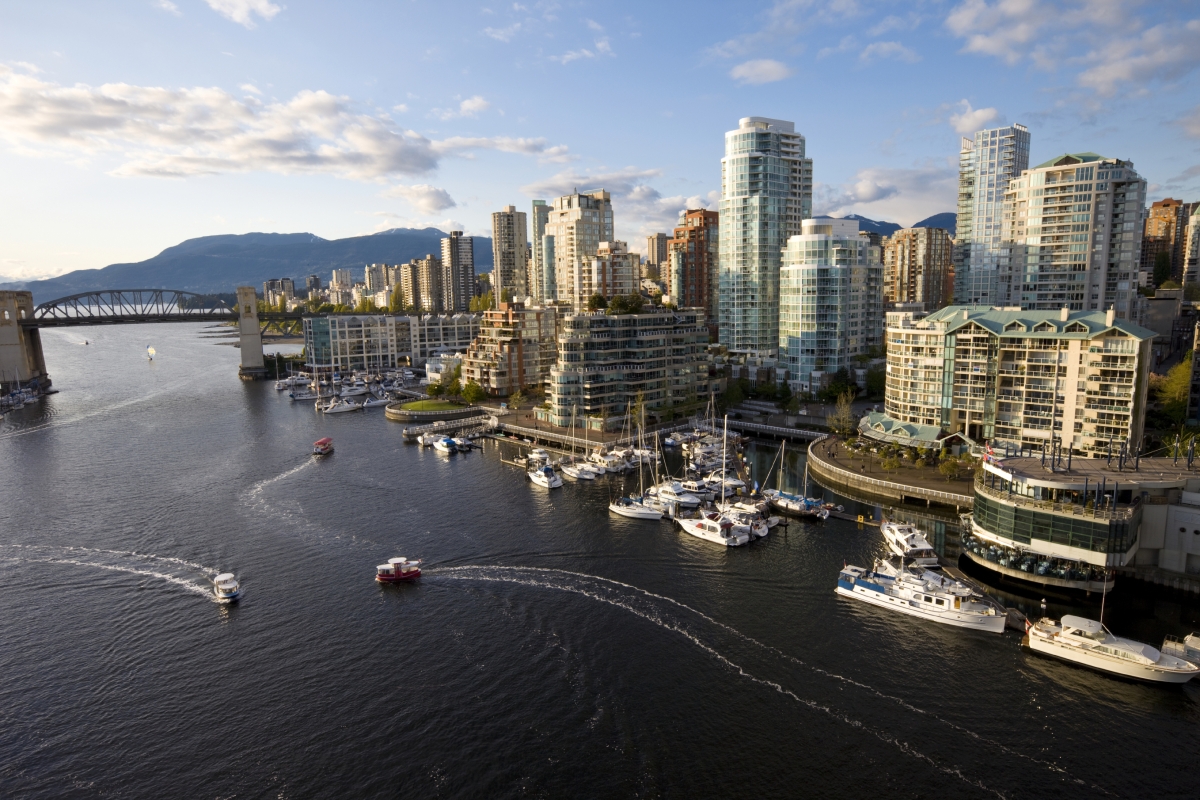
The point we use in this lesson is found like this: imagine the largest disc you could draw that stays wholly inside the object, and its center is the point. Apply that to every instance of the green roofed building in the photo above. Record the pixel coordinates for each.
(1017, 378)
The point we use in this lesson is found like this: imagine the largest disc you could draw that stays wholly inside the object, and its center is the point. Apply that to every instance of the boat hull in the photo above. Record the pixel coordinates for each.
(635, 511)
(1143, 673)
(860, 591)
(227, 598)
(407, 577)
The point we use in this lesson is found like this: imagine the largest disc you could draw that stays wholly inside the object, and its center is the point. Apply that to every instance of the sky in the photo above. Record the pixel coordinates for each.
(127, 127)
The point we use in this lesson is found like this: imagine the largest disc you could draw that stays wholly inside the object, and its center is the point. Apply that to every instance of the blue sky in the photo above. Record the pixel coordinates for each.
(126, 127)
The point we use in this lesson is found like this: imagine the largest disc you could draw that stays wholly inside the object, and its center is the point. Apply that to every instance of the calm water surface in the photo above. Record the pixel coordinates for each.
(551, 650)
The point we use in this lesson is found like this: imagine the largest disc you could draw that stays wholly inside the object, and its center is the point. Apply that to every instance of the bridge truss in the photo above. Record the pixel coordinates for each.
(119, 306)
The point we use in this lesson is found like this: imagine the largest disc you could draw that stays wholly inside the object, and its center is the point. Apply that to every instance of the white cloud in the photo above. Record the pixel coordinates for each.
(503, 34)
(968, 120)
(472, 106)
(1190, 122)
(401, 108)
(903, 195)
(847, 44)
(167, 5)
(1164, 52)
(1004, 29)
(596, 26)
(878, 50)
(198, 131)
(423, 197)
(242, 11)
(250, 87)
(602, 48)
(788, 19)
(894, 23)
(759, 71)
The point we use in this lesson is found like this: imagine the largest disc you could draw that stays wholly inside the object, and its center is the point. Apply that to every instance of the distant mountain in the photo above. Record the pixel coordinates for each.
(874, 226)
(218, 264)
(946, 220)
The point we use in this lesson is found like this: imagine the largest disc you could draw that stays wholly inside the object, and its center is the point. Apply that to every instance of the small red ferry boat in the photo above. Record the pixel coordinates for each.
(323, 447)
(398, 570)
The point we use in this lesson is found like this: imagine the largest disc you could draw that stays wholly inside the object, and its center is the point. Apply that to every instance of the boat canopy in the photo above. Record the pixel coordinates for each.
(223, 577)
(321, 442)
(1082, 623)
(384, 567)
(399, 560)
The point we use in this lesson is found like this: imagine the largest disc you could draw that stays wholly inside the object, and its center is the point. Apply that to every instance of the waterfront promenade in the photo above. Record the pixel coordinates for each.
(833, 465)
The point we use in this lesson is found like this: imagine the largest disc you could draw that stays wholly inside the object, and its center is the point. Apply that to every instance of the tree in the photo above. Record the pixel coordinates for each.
(597, 302)
(1162, 269)
(397, 304)
(434, 389)
(949, 468)
(843, 419)
(473, 392)
(890, 464)
(733, 395)
(626, 304)
(454, 388)
(365, 306)
(876, 380)
(1173, 391)
(516, 398)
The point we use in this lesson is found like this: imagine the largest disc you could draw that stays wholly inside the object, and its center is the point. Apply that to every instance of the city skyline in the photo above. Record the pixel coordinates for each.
(196, 118)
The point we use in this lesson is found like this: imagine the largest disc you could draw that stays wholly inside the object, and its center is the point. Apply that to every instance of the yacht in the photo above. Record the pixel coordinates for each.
(580, 472)
(605, 462)
(672, 492)
(720, 531)
(427, 439)
(909, 542)
(445, 445)
(354, 390)
(375, 402)
(546, 477)
(340, 405)
(1088, 643)
(226, 588)
(398, 570)
(795, 504)
(323, 447)
(463, 444)
(729, 480)
(917, 592)
(699, 489)
(634, 508)
(749, 521)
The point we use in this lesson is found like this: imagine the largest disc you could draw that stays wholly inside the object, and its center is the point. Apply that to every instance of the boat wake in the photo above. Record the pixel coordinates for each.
(133, 563)
(717, 638)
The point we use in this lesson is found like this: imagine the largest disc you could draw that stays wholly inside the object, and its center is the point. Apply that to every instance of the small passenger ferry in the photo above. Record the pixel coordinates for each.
(398, 570)
(226, 588)
(323, 447)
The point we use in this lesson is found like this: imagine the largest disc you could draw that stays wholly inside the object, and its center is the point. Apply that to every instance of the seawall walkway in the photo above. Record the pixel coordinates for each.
(824, 463)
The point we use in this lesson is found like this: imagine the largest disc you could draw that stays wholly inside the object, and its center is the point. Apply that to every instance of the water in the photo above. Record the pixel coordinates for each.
(550, 650)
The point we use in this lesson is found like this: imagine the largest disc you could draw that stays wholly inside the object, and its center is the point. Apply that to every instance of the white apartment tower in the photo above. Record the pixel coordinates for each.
(541, 272)
(766, 191)
(1073, 235)
(458, 272)
(578, 224)
(986, 165)
(509, 252)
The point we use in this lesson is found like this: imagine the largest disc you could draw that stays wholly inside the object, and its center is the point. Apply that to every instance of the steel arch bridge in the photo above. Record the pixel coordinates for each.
(117, 306)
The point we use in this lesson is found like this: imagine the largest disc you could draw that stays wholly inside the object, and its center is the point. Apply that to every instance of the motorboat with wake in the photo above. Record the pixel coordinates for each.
(226, 588)
(908, 541)
(1088, 643)
(398, 570)
(545, 477)
(910, 589)
(323, 447)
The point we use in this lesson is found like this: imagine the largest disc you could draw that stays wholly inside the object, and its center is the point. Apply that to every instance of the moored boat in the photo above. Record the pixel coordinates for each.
(795, 504)
(578, 471)
(323, 447)
(633, 508)
(445, 445)
(719, 531)
(339, 406)
(545, 477)
(1088, 643)
(398, 570)
(226, 588)
(908, 541)
(912, 590)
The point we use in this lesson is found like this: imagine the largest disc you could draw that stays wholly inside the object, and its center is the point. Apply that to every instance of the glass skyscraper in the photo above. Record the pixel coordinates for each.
(986, 164)
(766, 190)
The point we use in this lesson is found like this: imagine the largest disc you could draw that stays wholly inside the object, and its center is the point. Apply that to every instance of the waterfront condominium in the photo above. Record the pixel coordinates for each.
(374, 342)
(690, 272)
(541, 272)
(458, 272)
(986, 164)
(578, 224)
(1019, 378)
(509, 253)
(830, 302)
(1073, 235)
(766, 191)
(607, 362)
(916, 267)
(515, 348)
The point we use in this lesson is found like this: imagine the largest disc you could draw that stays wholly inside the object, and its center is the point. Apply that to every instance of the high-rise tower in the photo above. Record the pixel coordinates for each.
(509, 248)
(541, 280)
(578, 223)
(986, 165)
(458, 272)
(766, 191)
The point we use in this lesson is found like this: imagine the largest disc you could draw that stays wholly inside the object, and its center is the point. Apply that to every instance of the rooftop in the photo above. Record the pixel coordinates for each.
(1068, 159)
(1033, 324)
(1094, 471)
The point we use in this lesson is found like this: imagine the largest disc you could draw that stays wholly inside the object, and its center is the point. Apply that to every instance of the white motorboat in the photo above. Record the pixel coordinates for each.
(729, 480)
(579, 472)
(280, 386)
(340, 405)
(720, 531)
(226, 588)
(463, 445)
(699, 489)
(672, 492)
(920, 593)
(633, 508)
(1088, 643)
(353, 391)
(605, 462)
(427, 439)
(909, 542)
(749, 521)
(375, 402)
(671, 441)
(546, 477)
(445, 445)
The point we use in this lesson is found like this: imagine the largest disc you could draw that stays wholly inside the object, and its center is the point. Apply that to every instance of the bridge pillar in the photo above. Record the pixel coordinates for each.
(253, 367)
(21, 358)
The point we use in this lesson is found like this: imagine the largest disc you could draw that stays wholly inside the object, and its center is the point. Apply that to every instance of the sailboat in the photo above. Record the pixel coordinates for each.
(635, 506)
(576, 469)
(149, 353)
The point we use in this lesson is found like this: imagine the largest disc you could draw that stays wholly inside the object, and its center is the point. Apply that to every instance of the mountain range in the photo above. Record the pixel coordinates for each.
(218, 264)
